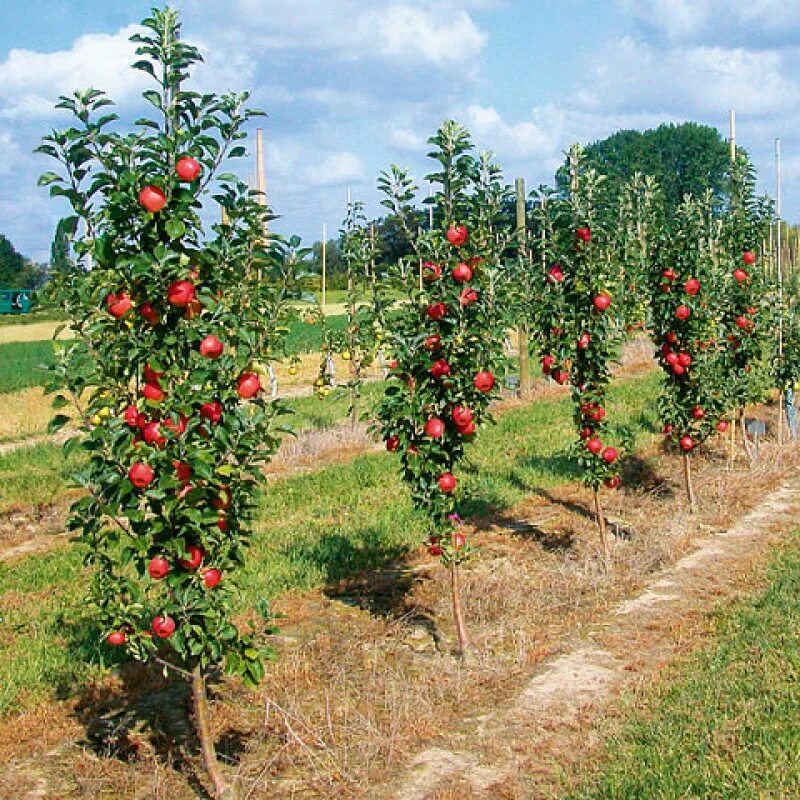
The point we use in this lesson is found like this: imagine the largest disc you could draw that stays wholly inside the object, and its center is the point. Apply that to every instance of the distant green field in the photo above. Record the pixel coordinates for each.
(20, 361)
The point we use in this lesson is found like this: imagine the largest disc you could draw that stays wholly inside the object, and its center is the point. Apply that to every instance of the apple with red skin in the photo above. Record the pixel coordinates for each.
(586, 433)
(749, 257)
(133, 417)
(612, 483)
(440, 368)
(150, 375)
(669, 274)
(457, 235)
(180, 294)
(152, 434)
(547, 363)
(431, 272)
(434, 548)
(692, 286)
(462, 416)
(436, 311)
(153, 392)
(683, 313)
(447, 482)
(610, 455)
(602, 301)
(594, 445)
(248, 385)
(196, 555)
(141, 474)
(434, 428)
(584, 341)
(459, 540)
(583, 234)
(560, 376)
(468, 429)
(597, 414)
(740, 275)
(183, 471)
(483, 381)
(722, 425)
(698, 413)
(222, 524)
(177, 428)
(148, 311)
(188, 169)
(116, 638)
(163, 627)
(211, 411)
(158, 568)
(668, 428)
(555, 273)
(678, 369)
(685, 360)
(393, 443)
(468, 296)
(743, 323)
(462, 273)
(672, 359)
(686, 442)
(432, 343)
(671, 337)
(152, 199)
(118, 304)
(211, 347)
(212, 577)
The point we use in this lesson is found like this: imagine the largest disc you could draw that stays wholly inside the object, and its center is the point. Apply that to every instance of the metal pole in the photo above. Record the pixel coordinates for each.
(324, 265)
(733, 135)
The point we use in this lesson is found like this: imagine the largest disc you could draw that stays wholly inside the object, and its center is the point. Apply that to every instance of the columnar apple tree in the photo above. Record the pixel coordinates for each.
(580, 325)
(170, 322)
(748, 321)
(686, 312)
(446, 341)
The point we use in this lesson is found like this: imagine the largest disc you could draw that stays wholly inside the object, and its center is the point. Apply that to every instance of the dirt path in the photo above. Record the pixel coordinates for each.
(511, 752)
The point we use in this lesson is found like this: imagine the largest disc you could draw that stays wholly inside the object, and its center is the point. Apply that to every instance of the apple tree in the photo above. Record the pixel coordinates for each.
(580, 322)
(171, 322)
(446, 339)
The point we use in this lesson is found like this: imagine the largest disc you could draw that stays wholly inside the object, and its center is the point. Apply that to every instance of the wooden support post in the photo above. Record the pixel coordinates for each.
(523, 335)
(324, 298)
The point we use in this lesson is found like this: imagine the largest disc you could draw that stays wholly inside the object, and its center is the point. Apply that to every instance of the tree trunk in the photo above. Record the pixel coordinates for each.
(203, 728)
(687, 478)
(601, 524)
(745, 438)
(458, 615)
(523, 344)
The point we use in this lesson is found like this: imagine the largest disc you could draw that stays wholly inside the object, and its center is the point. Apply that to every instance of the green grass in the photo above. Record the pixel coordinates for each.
(725, 725)
(20, 364)
(33, 317)
(34, 475)
(311, 529)
(305, 338)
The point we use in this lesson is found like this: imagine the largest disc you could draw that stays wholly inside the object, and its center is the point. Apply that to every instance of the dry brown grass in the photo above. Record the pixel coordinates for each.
(25, 413)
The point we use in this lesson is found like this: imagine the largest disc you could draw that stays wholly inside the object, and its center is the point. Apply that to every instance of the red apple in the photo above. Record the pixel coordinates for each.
(434, 428)
(692, 286)
(547, 363)
(196, 555)
(749, 257)
(610, 455)
(672, 359)
(152, 199)
(612, 482)
(188, 168)
(248, 385)
(180, 293)
(597, 414)
(153, 392)
(436, 311)
(222, 524)
(602, 301)
(468, 429)
(584, 234)
(683, 313)
(468, 296)
(434, 548)
(148, 311)
(141, 475)
(740, 275)
(432, 343)
(698, 412)
(671, 337)
(440, 368)
(158, 568)
(457, 235)
(447, 482)
(722, 426)
(560, 376)
(555, 273)
(668, 428)
(685, 360)
(118, 304)
(669, 274)
(211, 577)
(743, 322)
(211, 411)
(678, 369)
(431, 272)
(133, 418)
(462, 273)
(183, 471)
(177, 428)
(163, 627)
(462, 416)
(116, 638)
(152, 434)
(583, 341)
(594, 445)
(211, 347)
(484, 381)
(393, 443)
(686, 442)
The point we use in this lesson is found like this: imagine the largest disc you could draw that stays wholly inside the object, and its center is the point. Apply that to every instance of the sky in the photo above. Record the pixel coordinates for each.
(352, 86)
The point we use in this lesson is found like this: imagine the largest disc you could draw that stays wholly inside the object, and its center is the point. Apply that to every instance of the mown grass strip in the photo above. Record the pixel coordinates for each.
(311, 529)
(726, 724)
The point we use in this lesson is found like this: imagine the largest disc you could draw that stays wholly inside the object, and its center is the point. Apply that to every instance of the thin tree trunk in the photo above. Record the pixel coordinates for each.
(745, 439)
(687, 478)
(523, 339)
(458, 614)
(601, 524)
(203, 728)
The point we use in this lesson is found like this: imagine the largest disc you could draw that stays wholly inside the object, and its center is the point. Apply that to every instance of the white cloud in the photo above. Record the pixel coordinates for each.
(335, 169)
(10, 153)
(406, 139)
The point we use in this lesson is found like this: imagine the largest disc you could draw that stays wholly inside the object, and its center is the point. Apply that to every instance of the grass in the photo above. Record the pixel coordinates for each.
(34, 317)
(33, 475)
(725, 724)
(311, 529)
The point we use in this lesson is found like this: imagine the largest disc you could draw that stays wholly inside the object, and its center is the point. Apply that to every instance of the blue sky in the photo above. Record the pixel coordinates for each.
(352, 86)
